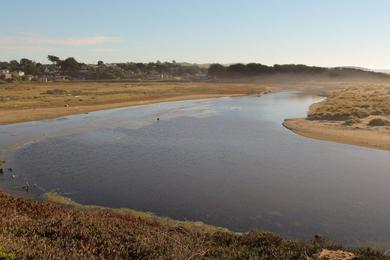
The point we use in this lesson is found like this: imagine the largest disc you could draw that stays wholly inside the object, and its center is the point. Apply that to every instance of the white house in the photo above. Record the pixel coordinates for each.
(5, 74)
(2, 72)
(18, 73)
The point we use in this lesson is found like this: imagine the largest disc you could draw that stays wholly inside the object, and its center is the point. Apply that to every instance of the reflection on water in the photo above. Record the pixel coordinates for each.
(227, 162)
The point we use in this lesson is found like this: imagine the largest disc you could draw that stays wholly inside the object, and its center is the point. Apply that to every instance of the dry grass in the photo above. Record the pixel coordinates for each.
(33, 229)
(24, 101)
(358, 114)
(358, 101)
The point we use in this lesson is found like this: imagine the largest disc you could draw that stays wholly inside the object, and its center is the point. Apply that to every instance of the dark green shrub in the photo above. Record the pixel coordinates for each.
(56, 92)
(378, 122)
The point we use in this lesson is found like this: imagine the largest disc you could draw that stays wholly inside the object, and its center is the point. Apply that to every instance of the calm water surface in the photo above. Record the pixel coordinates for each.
(226, 162)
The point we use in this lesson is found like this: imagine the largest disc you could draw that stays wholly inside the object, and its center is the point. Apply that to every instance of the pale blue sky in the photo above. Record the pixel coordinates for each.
(313, 32)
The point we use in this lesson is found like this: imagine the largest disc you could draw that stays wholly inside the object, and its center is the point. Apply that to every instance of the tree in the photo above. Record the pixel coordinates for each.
(217, 70)
(100, 63)
(70, 66)
(39, 69)
(237, 70)
(28, 66)
(53, 59)
(14, 65)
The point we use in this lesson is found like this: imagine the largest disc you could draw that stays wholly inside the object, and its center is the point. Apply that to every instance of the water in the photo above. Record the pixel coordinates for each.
(227, 162)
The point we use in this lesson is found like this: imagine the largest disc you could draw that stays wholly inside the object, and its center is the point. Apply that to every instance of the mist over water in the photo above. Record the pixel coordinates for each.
(227, 162)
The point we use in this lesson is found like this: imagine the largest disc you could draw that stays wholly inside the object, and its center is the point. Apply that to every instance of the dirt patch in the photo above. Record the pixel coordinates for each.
(336, 255)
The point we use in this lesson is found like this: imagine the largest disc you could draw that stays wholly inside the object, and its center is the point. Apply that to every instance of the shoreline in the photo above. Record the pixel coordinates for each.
(24, 102)
(36, 114)
(335, 131)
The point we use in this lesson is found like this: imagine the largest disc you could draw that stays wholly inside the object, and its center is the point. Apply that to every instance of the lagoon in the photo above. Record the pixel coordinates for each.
(227, 162)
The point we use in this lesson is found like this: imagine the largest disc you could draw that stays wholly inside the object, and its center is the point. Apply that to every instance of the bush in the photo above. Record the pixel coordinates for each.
(352, 121)
(56, 92)
(378, 122)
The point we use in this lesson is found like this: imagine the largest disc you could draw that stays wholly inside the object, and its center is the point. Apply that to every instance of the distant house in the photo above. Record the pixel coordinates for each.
(155, 75)
(43, 79)
(5, 74)
(51, 71)
(8, 76)
(60, 78)
(18, 74)
(29, 77)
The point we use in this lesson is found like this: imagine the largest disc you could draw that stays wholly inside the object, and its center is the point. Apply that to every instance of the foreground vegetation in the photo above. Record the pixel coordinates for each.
(34, 229)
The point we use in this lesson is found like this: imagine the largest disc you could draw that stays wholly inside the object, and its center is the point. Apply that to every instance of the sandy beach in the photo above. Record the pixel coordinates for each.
(335, 131)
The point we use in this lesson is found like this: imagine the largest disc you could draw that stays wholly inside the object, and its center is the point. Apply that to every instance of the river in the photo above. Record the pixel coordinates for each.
(227, 162)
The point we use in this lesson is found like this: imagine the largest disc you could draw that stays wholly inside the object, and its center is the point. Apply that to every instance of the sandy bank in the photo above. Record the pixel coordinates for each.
(33, 114)
(336, 131)
(35, 101)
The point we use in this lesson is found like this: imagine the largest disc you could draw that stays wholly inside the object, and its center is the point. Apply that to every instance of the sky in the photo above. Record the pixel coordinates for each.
(313, 32)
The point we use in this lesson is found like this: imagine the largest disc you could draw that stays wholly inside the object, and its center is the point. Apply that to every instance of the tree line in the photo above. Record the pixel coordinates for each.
(71, 68)
(26, 65)
(239, 70)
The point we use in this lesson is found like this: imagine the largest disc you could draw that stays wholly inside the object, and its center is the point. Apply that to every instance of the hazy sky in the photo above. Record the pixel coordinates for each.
(313, 32)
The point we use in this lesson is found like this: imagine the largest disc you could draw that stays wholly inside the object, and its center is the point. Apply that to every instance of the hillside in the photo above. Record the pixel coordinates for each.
(34, 229)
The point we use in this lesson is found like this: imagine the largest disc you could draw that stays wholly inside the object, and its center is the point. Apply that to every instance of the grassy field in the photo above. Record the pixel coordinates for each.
(26, 101)
(33, 229)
